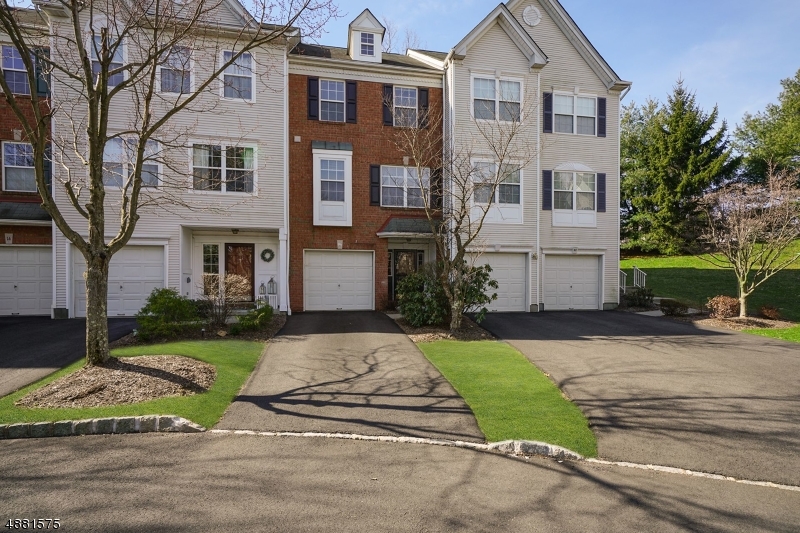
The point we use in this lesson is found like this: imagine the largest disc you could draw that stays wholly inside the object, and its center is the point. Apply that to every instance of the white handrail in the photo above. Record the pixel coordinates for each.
(639, 278)
(623, 281)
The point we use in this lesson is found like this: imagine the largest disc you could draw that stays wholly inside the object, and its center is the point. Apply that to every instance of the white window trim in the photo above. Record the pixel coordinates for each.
(395, 106)
(344, 101)
(559, 218)
(3, 155)
(494, 214)
(147, 162)
(30, 89)
(191, 76)
(319, 219)
(89, 44)
(575, 114)
(252, 78)
(405, 188)
(497, 80)
(361, 43)
(223, 146)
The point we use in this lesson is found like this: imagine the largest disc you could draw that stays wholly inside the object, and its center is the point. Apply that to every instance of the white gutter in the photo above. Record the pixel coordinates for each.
(539, 190)
(285, 274)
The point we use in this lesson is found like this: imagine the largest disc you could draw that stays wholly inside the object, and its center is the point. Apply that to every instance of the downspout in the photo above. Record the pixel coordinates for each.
(285, 273)
(539, 192)
(449, 80)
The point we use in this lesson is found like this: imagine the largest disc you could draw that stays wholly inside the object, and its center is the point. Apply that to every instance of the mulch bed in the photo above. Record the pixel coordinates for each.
(737, 324)
(470, 331)
(125, 380)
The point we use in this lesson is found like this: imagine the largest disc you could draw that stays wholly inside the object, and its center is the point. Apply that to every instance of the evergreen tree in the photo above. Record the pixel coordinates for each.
(671, 156)
(771, 136)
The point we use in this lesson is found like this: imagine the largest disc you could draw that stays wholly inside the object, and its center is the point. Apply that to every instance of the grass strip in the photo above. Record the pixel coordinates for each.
(510, 397)
(790, 334)
(233, 359)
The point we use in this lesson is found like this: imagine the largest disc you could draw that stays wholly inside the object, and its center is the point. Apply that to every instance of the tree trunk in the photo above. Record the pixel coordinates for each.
(96, 310)
(455, 316)
(742, 301)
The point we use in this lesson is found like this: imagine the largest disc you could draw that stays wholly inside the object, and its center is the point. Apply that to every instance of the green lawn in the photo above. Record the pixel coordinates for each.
(693, 280)
(511, 398)
(234, 361)
(791, 334)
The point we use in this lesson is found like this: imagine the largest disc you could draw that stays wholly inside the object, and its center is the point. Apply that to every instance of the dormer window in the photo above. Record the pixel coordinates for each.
(367, 44)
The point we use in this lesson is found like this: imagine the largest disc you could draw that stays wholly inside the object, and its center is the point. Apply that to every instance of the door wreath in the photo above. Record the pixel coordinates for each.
(267, 255)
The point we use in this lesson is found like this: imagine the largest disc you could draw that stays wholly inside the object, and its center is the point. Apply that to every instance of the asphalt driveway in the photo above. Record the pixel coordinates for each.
(349, 372)
(33, 347)
(664, 392)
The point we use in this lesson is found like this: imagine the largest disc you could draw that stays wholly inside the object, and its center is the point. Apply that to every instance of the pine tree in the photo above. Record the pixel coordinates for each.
(680, 155)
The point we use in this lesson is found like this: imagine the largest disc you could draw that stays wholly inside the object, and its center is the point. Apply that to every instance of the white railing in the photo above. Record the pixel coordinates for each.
(623, 281)
(271, 299)
(639, 278)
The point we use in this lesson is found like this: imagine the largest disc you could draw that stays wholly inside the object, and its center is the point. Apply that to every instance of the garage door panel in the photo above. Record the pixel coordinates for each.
(26, 280)
(338, 280)
(510, 272)
(571, 282)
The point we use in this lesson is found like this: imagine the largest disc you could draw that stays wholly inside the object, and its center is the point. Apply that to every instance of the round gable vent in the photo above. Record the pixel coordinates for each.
(531, 16)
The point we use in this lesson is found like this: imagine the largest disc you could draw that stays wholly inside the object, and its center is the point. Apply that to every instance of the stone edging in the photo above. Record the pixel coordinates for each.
(100, 426)
(507, 447)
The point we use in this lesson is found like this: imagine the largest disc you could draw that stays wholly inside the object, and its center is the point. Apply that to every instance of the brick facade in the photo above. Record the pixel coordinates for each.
(10, 130)
(372, 145)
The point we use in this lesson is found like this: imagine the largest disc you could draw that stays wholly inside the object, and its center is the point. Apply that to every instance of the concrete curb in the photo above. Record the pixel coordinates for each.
(508, 447)
(100, 426)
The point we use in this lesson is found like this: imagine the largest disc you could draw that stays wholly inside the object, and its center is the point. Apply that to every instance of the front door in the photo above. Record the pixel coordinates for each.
(239, 260)
(404, 262)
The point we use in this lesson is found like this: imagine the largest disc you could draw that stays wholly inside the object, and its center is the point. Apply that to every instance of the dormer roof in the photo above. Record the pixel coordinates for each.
(366, 22)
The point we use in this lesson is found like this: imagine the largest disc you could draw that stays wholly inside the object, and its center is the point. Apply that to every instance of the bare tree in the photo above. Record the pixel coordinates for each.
(463, 177)
(108, 55)
(395, 43)
(750, 229)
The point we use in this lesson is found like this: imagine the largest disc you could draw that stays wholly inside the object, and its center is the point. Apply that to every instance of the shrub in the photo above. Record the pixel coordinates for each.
(770, 312)
(221, 299)
(673, 307)
(166, 313)
(723, 306)
(477, 281)
(421, 299)
(639, 297)
(256, 319)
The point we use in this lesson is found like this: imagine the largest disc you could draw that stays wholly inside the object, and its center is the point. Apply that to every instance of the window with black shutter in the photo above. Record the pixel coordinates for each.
(352, 93)
(388, 105)
(313, 98)
(601, 117)
(601, 192)
(547, 190)
(548, 112)
(422, 102)
(374, 185)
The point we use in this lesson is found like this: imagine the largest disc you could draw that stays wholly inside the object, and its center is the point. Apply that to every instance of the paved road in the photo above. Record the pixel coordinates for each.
(665, 392)
(351, 372)
(154, 483)
(33, 347)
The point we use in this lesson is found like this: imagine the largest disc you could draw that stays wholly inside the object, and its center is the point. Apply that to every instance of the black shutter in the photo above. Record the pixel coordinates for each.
(422, 107)
(374, 185)
(547, 190)
(47, 166)
(548, 112)
(436, 188)
(601, 117)
(42, 72)
(351, 93)
(388, 104)
(601, 193)
(313, 98)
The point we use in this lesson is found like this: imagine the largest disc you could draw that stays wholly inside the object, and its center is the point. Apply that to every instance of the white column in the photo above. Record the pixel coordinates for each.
(283, 265)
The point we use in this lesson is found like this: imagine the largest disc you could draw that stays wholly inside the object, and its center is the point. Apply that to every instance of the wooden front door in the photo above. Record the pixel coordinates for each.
(240, 260)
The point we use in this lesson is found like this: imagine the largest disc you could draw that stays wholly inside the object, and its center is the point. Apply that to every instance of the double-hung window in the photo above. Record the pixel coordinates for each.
(176, 71)
(496, 99)
(405, 107)
(14, 71)
(401, 187)
(18, 172)
(332, 180)
(574, 114)
(117, 59)
(367, 44)
(574, 191)
(508, 187)
(238, 78)
(223, 168)
(331, 100)
(119, 162)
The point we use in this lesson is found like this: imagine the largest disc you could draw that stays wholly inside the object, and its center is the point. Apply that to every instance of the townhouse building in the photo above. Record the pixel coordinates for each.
(355, 212)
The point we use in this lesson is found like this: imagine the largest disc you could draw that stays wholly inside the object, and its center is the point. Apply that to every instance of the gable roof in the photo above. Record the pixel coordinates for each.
(365, 21)
(570, 29)
(511, 26)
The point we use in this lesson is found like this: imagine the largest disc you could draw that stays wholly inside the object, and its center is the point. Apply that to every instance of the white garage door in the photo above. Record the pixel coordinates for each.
(133, 274)
(338, 281)
(510, 272)
(571, 282)
(26, 280)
